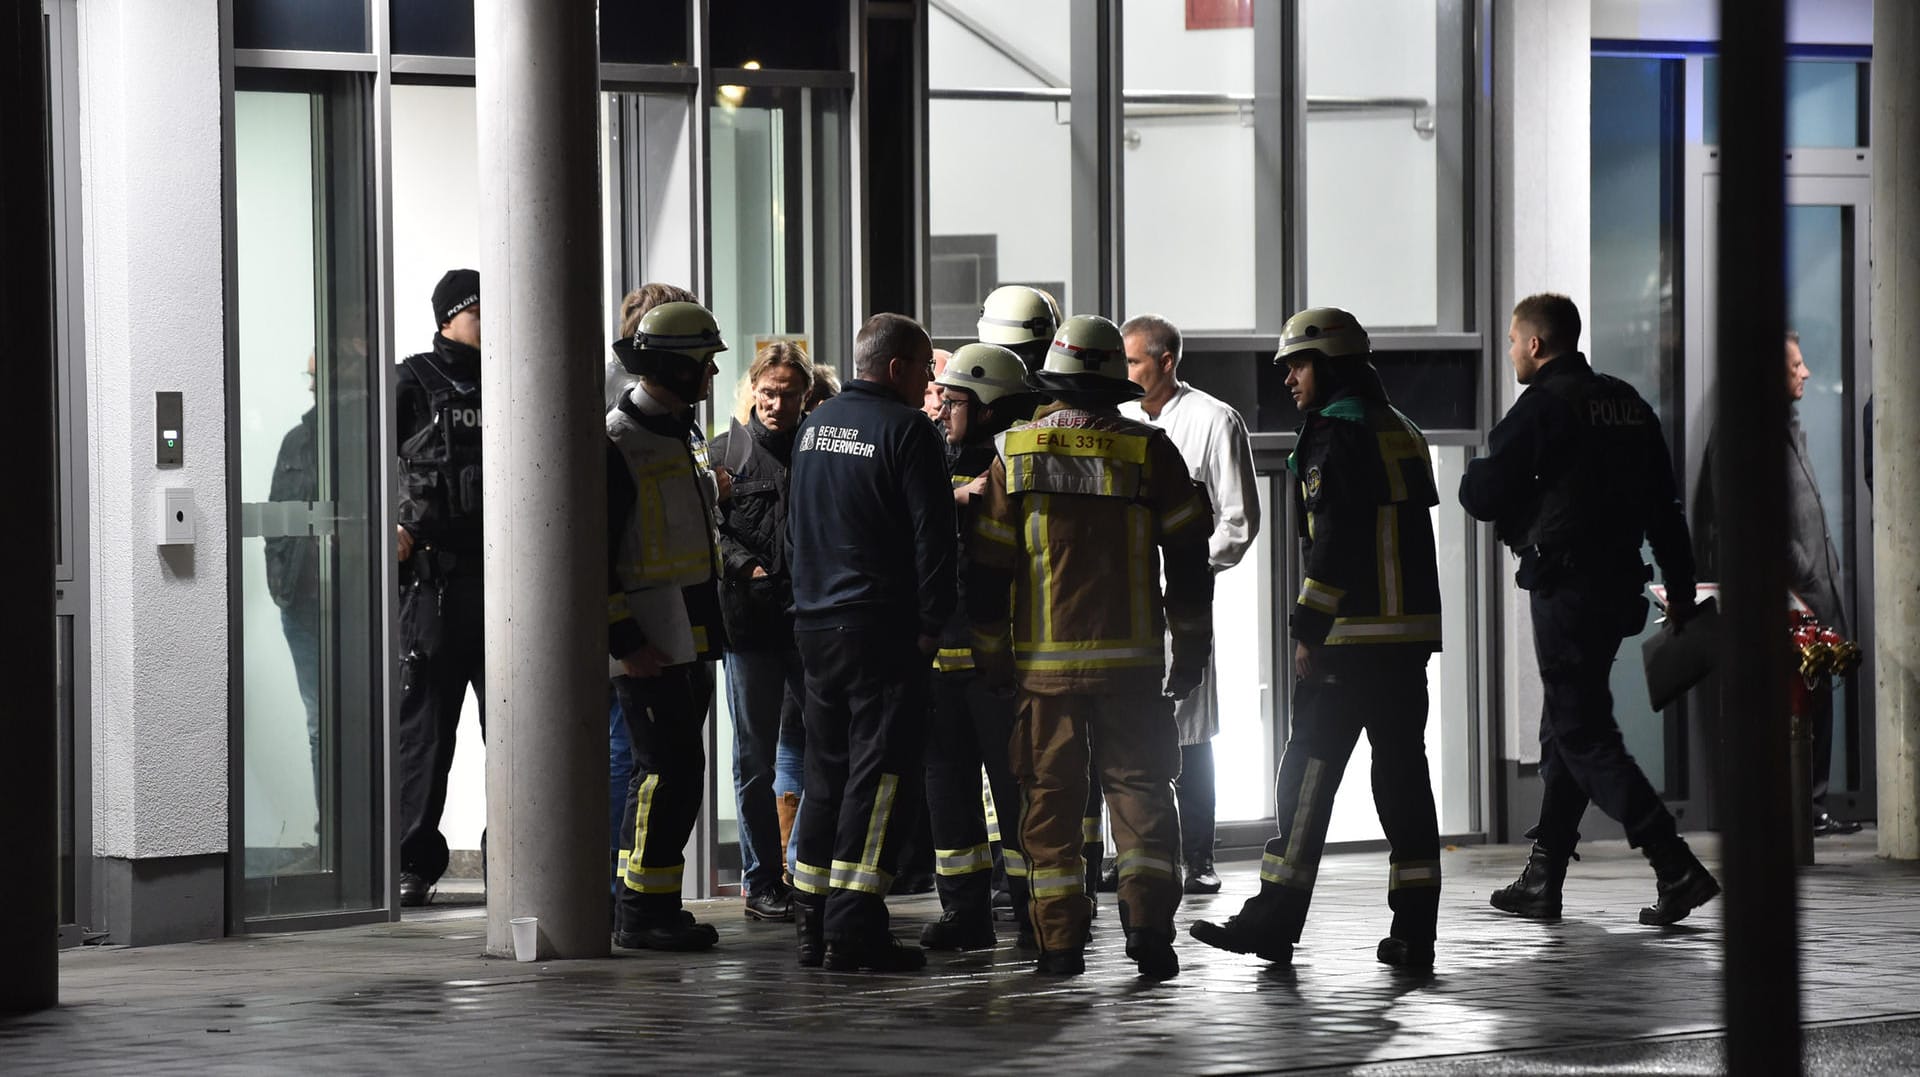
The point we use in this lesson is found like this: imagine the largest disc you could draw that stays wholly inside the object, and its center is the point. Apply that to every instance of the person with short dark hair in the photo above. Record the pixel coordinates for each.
(870, 544)
(1576, 475)
(442, 592)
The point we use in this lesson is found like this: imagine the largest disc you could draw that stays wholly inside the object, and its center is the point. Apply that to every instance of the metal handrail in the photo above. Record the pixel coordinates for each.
(1166, 103)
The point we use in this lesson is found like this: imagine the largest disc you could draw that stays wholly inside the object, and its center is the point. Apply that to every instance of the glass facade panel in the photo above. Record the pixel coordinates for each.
(317, 25)
(992, 224)
(1378, 196)
(1243, 750)
(313, 827)
(1826, 103)
(643, 32)
(432, 27)
(778, 34)
(1188, 167)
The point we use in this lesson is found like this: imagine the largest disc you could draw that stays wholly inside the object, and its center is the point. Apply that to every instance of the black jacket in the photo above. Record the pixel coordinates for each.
(870, 531)
(437, 406)
(970, 463)
(293, 562)
(754, 535)
(1575, 475)
(1363, 488)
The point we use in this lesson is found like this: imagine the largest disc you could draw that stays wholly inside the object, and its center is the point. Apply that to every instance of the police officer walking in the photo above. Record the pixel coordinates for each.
(442, 596)
(1575, 475)
(984, 391)
(1364, 625)
(1079, 507)
(663, 615)
(870, 544)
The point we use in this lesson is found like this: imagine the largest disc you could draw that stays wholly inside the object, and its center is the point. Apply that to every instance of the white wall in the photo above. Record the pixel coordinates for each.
(151, 190)
(1827, 22)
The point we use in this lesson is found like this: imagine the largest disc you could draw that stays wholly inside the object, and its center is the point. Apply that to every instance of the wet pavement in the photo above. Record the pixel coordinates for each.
(1594, 993)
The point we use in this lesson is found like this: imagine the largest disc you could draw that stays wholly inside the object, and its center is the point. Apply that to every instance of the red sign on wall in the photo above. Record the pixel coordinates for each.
(1219, 14)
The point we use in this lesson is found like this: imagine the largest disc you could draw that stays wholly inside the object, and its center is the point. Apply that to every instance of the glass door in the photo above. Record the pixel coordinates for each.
(312, 820)
(1827, 273)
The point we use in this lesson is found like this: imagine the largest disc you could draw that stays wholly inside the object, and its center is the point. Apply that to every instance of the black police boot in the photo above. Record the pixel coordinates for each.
(677, 931)
(413, 890)
(1682, 883)
(1406, 955)
(1536, 893)
(772, 902)
(807, 922)
(1201, 878)
(880, 953)
(1257, 929)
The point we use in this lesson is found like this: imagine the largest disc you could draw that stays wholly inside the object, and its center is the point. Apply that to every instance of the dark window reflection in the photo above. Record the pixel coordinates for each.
(778, 34)
(309, 25)
(1433, 388)
(432, 27)
(644, 31)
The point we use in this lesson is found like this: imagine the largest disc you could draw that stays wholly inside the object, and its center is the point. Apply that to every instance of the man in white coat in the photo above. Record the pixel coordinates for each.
(1213, 439)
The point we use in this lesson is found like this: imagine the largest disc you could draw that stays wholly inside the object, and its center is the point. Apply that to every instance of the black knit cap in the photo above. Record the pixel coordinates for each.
(457, 290)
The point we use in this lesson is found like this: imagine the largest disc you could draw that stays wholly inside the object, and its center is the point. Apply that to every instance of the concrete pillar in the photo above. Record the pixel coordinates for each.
(1753, 805)
(29, 829)
(542, 327)
(1896, 421)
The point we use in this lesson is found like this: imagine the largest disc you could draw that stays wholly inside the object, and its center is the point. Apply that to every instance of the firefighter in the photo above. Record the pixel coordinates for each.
(1366, 621)
(663, 614)
(1079, 508)
(983, 392)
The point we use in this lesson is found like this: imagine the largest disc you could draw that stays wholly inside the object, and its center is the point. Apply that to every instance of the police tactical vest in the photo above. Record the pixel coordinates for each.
(1594, 502)
(444, 455)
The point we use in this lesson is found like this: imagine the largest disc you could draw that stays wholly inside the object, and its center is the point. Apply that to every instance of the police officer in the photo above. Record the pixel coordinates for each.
(1575, 475)
(983, 391)
(663, 616)
(1079, 508)
(442, 608)
(1365, 622)
(870, 544)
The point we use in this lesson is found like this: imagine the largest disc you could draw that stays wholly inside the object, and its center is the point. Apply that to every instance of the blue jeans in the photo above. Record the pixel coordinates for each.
(301, 624)
(789, 762)
(757, 681)
(619, 773)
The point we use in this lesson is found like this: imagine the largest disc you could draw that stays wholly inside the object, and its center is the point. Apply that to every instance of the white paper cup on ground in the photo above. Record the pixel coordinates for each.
(526, 938)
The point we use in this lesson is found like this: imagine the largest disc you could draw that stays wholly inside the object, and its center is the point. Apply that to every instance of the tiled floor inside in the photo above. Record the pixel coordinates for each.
(1594, 993)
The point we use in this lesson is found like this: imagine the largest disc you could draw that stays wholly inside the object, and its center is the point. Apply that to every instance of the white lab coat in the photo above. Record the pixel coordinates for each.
(1213, 439)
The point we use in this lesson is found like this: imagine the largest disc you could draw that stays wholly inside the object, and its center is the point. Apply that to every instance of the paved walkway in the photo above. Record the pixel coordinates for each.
(1596, 992)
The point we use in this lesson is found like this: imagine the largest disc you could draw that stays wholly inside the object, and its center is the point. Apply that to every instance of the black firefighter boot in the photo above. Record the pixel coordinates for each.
(1536, 893)
(966, 917)
(1682, 883)
(1150, 948)
(808, 925)
(1261, 928)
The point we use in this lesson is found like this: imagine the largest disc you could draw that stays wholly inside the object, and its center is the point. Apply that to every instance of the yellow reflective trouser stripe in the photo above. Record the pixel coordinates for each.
(1052, 658)
(1413, 873)
(1090, 829)
(620, 864)
(963, 861)
(1059, 882)
(648, 880)
(866, 876)
(953, 659)
(811, 879)
(1276, 870)
(1388, 539)
(1320, 596)
(1016, 863)
(1144, 862)
(1294, 869)
(1413, 628)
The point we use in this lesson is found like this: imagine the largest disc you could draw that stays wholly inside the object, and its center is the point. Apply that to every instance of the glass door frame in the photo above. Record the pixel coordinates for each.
(1841, 178)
